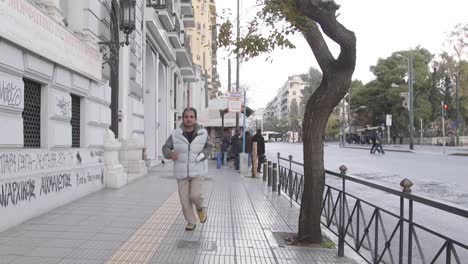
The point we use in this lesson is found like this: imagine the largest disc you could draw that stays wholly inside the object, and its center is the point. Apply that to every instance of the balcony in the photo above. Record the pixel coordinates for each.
(189, 21)
(186, 7)
(184, 54)
(213, 7)
(175, 35)
(164, 9)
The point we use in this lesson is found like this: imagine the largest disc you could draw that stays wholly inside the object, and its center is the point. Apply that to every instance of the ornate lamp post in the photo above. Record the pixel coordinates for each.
(127, 18)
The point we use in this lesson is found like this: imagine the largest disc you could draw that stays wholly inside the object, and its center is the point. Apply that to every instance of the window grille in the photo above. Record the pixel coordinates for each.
(75, 121)
(32, 115)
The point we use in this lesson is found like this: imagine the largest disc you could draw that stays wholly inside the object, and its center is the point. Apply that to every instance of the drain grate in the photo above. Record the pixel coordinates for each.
(197, 245)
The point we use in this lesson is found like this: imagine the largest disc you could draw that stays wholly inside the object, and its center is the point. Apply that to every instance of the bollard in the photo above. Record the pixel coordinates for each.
(265, 170)
(275, 173)
(269, 173)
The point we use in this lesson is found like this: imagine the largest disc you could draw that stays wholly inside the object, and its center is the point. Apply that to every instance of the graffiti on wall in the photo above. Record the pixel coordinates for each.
(10, 94)
(14, 192)
(24, 162)
(63, 105)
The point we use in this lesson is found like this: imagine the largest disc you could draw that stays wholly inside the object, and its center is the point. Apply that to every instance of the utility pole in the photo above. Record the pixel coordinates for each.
(343, 124)
(421, 131)
(349, 116)
(229, 75)
(457, 101)
(443, 126)
(237, 58)
(411, 109)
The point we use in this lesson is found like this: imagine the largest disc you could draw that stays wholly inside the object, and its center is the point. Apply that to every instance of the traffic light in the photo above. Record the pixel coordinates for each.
(445, 110)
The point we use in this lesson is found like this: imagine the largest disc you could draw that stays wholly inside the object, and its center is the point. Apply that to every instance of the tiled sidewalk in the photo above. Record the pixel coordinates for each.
(142, 223)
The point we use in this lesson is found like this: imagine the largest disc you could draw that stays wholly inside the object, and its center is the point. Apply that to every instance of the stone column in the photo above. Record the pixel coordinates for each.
(131, 157)
(116, 176)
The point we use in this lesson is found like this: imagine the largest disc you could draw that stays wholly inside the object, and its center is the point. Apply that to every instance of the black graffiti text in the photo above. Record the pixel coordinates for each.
(19, 162)
(13, 192)
(55, 183)
(10, 94)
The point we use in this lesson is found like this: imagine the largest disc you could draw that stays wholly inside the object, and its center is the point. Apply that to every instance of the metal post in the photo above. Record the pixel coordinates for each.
(343, 137)
(421, 141)
(411, 99)
(275, 174)
(243, 122)
(341, 231)
(457, 102)
(410, 233)
(280, 176)
(269, 173)
(443, 127)
(265, 170)
(237, 59)
(401, 223)
(229, 75)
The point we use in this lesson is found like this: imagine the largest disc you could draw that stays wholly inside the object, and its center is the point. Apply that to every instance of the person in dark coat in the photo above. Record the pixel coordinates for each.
(236, 148)
(225, 146)
(260, 148)
(248, 147)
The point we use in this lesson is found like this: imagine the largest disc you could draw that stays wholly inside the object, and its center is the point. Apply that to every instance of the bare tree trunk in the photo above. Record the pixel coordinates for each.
(309, 220)
(318, 110)
(336, 79)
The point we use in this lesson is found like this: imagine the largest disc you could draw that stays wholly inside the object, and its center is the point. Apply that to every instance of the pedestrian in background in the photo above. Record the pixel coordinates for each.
(248, 147)
(236, 147)
(225, 146)
(260, 148)
(189, 146)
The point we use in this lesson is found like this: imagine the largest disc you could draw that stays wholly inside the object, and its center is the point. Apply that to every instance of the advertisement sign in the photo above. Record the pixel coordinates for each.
(235, 106)
(25, 25)
(235, 102)
(389, 120)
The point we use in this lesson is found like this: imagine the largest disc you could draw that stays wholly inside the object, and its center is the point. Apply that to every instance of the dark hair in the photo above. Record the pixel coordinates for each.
(190, 109)
(259, 131)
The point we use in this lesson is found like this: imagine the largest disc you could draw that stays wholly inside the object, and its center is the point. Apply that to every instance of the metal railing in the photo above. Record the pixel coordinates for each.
(376, 234)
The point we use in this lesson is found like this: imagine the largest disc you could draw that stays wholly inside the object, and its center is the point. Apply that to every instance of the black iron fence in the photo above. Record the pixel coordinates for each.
(376, 233)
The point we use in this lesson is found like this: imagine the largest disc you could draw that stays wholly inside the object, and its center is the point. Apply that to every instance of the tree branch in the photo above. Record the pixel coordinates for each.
(318, 44)
(324, 13)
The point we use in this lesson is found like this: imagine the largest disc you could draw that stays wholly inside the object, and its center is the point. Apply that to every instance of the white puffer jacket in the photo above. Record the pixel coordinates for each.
(187, 165)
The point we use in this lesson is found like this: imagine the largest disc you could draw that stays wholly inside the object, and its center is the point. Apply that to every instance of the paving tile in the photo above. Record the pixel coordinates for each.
(49, 252)
(35, 260)
(139, 223)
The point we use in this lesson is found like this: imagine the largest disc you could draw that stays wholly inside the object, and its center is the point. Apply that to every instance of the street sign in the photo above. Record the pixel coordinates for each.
(235, 102)
(234, 106)
(389, 120)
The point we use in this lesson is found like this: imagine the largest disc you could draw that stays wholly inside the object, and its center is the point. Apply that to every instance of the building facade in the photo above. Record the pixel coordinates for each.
(203, 37)
(280, 106)
(80, 109)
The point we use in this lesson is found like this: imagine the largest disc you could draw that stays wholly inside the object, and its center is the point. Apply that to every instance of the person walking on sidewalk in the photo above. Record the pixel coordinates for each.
(236, 148)
(189, 146)
(260, 148)
(225, 147)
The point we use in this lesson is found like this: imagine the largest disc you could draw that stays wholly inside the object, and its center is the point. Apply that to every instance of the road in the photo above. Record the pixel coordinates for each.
(440, 177)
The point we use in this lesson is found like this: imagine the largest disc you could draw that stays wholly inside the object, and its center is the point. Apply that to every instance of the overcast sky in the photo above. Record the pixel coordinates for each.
(381, 27)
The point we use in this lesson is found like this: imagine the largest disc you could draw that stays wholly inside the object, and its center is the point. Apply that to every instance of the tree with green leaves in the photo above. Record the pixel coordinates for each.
(309, 18)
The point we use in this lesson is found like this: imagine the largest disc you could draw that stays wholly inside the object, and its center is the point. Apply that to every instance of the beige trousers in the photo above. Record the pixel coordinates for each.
(190, 194)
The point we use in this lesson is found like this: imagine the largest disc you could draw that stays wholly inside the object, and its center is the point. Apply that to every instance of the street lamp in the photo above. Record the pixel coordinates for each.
(127, 18)
(410, 92)
(126, 23)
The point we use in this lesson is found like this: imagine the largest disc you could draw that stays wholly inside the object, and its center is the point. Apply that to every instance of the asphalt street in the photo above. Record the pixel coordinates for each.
(436, 176)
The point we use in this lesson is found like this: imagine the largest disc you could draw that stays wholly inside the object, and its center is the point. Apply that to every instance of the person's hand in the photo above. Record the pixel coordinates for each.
(175, 156)
(200, 157)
